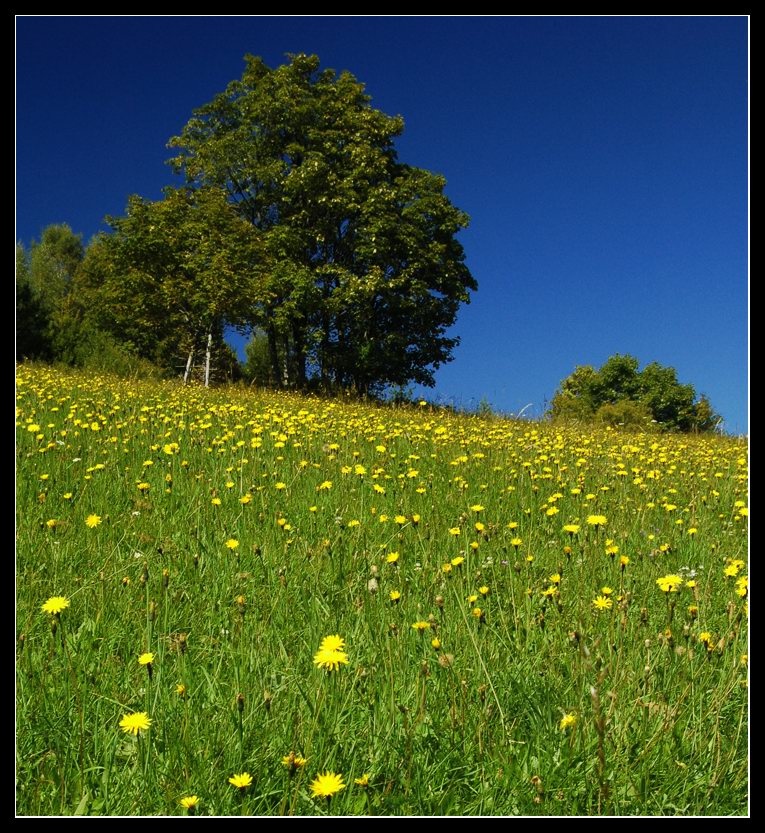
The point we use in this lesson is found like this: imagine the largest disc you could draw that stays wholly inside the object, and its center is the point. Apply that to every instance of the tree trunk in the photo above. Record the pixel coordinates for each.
(188, 366)
(207, 359)
(285, 362)
(273, 354)
(299, 355)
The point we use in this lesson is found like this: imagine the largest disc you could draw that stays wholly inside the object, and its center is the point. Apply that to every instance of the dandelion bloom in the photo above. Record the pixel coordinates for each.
(568, 721)
(421, 626)
(327, 785)
(457, 561)
(189, 803)
(334, 642)
(132, 724)
(597, 520)
(241, 781)
(602, 603)
(92, 521)
(330, 660)
(146, 659)
(391, 557)
(669, 584)
(572, 529)
(232, 543)
(294, 762)
(455, 530)
(55, 605)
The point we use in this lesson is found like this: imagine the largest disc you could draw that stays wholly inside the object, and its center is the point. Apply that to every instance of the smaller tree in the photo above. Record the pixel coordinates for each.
(620, 394)
(180, 270)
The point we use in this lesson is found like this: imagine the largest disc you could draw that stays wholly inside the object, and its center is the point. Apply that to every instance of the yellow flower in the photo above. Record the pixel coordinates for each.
(572, 529)
(568, 721)
(391, 557)
(132, 724)
(602, 603)
(334, 642)
(294, 762)
(395, 595)
(241, 781)
(330, 660)
(55, 605)
(455, 530)
(457, 561)
(327, 785)
(597, 520)
(232, 543)
(189, 803)
(146, 659)
(669, 584)
(364, 780)
(92, 521)
(421, 626)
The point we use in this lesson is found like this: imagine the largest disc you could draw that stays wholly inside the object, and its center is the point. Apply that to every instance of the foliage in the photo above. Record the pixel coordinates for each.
(363, 274)
(32, 315)
(174, 273)
(620, 394)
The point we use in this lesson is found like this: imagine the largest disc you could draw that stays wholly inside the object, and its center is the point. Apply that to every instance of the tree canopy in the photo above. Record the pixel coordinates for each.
(618, 393)
(361, 274)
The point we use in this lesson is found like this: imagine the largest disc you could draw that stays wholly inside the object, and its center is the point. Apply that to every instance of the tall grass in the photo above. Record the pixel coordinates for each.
(237, 530)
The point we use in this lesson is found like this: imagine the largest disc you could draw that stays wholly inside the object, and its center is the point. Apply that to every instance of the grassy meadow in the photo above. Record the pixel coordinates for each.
(235, 602)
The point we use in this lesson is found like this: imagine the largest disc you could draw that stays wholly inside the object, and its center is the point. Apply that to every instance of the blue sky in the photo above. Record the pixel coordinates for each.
(603, 162)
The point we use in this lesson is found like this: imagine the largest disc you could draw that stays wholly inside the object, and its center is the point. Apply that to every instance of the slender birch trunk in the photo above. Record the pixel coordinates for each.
(188, 366)
(207, 360)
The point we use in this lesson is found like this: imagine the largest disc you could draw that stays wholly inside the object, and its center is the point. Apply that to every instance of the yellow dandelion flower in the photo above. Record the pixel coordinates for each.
(133, 724)
(568, 721)
(189, 803)
(241, 781)
(92, 521)
(330, 660)
(55, 605)
(232, 543)
(327, 785)
(669, 584)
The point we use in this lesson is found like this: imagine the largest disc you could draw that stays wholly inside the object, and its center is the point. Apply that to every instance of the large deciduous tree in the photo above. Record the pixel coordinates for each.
(364, 272)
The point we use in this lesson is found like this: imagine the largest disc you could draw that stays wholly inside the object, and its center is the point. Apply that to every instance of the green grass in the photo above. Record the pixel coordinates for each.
(472, 728)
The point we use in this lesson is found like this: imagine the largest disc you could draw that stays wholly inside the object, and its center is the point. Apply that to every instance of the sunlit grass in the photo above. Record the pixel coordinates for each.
(513, 637)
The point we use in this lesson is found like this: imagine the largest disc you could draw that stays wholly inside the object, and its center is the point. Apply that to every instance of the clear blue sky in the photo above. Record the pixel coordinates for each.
(603, 162)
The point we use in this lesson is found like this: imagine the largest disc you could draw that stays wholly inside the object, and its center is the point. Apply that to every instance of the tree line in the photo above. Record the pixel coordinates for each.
(295, 220)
